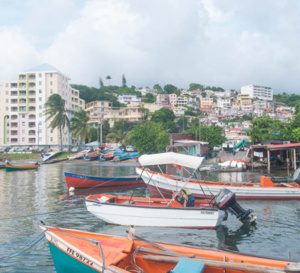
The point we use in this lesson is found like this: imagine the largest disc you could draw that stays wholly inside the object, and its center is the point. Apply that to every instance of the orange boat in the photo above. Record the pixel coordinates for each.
(78, 251)
(10, 168)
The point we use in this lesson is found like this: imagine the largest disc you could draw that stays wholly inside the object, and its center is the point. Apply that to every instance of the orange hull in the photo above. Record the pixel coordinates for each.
(80, 251)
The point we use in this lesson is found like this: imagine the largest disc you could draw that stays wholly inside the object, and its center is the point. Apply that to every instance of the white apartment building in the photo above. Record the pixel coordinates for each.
(128, 99)
(22, 119)
(182, 101)
(260, 105)
(256, 91)
(145, 91)
(224, 102)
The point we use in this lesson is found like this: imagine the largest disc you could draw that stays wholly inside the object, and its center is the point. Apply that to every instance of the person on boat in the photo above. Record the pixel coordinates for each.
(7, 162)
(185, 198)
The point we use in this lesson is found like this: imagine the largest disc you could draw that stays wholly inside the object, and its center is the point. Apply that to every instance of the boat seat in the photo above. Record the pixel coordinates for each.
(188, 266)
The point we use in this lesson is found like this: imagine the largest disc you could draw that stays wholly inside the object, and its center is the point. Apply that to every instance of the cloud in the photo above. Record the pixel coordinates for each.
(227, 44)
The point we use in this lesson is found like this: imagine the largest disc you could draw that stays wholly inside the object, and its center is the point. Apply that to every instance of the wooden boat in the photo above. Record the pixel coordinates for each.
(159, 183)
(78, 155)
(134, 155)
(2, 166)
(48, 155)
(107, 156)
(91, 156)
(180, 211)
(78, 251)
(10, 168)
(87, 181)
(122, 157)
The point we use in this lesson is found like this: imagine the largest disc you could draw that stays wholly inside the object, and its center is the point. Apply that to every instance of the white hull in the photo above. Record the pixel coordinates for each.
(48, 155)
(168, 185)
(121, 214)
(78, 155)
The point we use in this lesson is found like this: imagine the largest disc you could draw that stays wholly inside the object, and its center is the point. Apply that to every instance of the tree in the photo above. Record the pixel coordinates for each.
(183, 123)
(80, 127)
(196, 86)
(101, 82)
(154, 141)
(108, 78)
(55, 110)
(149, 98)
(117, 133)
(166, 117)
(212, 134)
(145, 112)
(123, 81)
(157, 87)
(169, 88)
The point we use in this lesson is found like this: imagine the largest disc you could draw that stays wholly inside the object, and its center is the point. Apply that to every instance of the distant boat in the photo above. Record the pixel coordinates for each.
(122, 157)
(10, 168)
(134, 155)
(87, 181)
(108, 156)
(78, 155)
(91, 156)
(48, 155)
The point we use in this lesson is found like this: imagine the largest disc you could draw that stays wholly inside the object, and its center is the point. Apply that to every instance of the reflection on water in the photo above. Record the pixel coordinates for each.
(28, 196)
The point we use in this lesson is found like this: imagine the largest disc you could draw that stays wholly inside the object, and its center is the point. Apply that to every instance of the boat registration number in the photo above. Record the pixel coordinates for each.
(207, 212)
(78, 256)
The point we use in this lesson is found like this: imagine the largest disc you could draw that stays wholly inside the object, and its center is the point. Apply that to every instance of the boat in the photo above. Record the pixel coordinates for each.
(233, 165)
(122, 157)
(10, 168)
(79, 251)
(50, 154)
(78, 155)
(2, 166)
(134, 155)
(87, 181)
(107, 156)
(181, 211)
(91, 156)
(165, 184)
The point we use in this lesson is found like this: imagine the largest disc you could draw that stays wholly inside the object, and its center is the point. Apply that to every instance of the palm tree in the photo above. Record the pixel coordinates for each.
(58, 113)
(117, 133)
(108, 78)
(80, 127)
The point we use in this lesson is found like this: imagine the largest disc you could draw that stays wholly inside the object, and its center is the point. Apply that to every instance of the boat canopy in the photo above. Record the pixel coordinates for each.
(188, 161)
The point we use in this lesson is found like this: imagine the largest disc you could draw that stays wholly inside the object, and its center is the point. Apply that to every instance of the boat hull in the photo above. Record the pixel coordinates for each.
(86, 181)
(157, 183)
(11, 168)
(120, 214)
(76, 251)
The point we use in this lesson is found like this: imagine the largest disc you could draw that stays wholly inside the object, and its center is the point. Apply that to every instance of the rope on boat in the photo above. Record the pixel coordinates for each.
(23, 249)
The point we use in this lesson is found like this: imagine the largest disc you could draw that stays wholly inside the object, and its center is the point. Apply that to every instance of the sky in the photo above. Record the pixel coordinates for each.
(222, 43)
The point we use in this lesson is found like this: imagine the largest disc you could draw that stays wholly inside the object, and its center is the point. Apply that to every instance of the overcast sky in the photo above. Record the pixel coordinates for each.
(226, 43)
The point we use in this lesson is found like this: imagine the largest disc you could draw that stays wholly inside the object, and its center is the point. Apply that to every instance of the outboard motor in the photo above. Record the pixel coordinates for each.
(225, 200)
(296, 176)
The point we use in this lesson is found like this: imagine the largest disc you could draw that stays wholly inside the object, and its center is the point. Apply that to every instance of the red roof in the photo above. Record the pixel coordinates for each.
(281, 146)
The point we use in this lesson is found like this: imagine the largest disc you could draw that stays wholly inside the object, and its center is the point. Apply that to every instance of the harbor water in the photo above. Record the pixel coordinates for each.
(26, 197)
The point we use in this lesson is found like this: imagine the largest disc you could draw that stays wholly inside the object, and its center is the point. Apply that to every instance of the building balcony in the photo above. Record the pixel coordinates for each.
(14, 117)
(31, 109)
(14, 93)
(13, 140)
(31, 93)
(14, 101)
(31, 140)
(22, 109)
(31, 84)
(31, 116)
(14, 109)
(31, 133)
(22, 93)
(31, 124)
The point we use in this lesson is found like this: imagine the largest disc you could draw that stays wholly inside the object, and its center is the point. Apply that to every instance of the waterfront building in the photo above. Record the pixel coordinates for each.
(22, 105)
(256, 91)
(182, 100)
(163, 99)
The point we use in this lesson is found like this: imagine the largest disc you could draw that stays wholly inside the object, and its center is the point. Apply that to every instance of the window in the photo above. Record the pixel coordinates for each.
(51, 91)
(40, 107)
(6, 92)
(40, 99)
(23, 138)
(6, 108)
(51, 131)
(23, 123)
(23, 131)
(23, 116)
(7, 131)
(40, 75)
(51, 83)
(40, 91)
(51, 139)
(50, 75)
(7, 139)
(6, 85)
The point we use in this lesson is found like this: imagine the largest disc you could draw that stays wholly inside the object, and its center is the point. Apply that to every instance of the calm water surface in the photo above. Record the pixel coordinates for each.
(29, 196)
